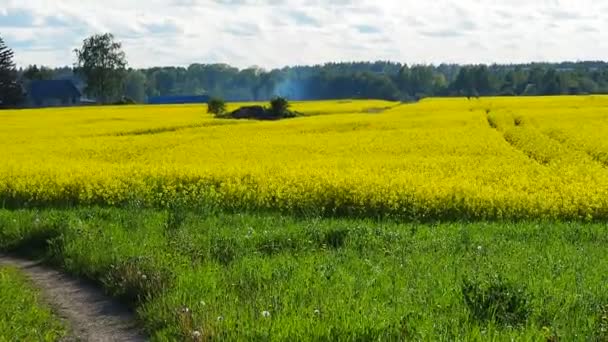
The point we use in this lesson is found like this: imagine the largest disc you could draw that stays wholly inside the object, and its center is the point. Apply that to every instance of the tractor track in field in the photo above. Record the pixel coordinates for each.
(89, 314)
(555, 140)
(593, 157)
(508, 140)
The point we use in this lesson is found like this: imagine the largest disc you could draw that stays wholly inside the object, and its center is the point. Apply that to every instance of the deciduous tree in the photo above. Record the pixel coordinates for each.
(103, 64)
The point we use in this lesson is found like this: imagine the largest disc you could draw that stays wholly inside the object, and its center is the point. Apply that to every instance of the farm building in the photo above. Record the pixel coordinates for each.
(53, 93)
(178, 99)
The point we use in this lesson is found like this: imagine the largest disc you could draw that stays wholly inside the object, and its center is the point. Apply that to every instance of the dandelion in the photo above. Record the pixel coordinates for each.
(317, 312)
(203, 303)
(144, 277)
(220, 318)
(196, 334)
(266, 313)
(479, 248)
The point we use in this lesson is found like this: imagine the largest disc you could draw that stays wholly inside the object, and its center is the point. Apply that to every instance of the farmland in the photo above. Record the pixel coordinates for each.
(518, 158)
(447, 219)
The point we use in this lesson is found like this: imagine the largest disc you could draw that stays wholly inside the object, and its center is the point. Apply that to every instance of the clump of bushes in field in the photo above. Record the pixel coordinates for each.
(217, 107)
(278, 109)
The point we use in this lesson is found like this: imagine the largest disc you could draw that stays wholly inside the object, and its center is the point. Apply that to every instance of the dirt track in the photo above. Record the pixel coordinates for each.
(90, 315)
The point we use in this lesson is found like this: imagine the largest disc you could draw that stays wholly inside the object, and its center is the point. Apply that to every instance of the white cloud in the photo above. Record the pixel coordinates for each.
(273, 33)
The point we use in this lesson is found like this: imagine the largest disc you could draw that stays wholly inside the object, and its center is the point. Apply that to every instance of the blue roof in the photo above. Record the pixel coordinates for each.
(53, 89)
(178, 99)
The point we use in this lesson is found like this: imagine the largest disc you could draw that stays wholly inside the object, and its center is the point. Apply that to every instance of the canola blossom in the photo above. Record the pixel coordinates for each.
(439, 159)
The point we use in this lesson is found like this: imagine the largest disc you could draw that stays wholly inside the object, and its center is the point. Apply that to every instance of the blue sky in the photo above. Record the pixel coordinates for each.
(274, 33)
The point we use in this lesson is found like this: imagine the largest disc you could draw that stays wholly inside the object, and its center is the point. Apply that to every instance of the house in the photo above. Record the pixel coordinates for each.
(53, 93)
(157, 100)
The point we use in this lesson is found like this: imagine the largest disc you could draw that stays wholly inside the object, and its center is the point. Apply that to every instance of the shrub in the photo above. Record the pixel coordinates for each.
(216, 106)
(279, 107)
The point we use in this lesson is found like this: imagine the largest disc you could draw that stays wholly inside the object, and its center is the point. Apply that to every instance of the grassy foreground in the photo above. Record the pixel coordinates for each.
(23, 317)
(196, 276)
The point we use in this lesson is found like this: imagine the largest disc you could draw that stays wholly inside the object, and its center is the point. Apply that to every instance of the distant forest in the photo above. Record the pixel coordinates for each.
(378, 80)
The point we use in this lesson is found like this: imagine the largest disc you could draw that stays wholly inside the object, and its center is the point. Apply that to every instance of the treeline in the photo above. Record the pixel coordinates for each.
(381, 80)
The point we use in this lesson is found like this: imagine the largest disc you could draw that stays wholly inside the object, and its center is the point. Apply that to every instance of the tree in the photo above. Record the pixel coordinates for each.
(102, 62)
(35, 73)
(377, 80)
(135, 86)
(11, 93)
(165, 80)
(216, 106)
(551, 83)
(279, 106)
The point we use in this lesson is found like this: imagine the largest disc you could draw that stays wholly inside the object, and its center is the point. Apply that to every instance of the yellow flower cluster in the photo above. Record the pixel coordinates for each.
(491, 158)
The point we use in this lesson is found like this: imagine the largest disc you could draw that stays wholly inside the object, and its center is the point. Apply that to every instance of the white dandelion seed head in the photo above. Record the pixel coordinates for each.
(196, 334)
(266, 313)
(479, 248)
(220, 318)
(144, 277)
(317, 312)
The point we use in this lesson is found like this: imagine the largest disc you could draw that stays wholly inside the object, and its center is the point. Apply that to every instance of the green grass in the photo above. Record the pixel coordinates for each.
(23, 316)
(269, 277)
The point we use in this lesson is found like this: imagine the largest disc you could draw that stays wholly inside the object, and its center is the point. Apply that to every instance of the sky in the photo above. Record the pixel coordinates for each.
(276, 33)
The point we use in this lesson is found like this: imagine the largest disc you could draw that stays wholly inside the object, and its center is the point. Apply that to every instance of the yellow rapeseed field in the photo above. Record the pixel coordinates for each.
(490, 158)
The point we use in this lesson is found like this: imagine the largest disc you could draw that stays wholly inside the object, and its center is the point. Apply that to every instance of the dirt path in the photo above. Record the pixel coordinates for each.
(90, 314)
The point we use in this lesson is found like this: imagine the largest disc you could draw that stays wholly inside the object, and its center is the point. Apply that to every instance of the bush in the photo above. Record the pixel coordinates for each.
(279, 107)
(216, 106)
